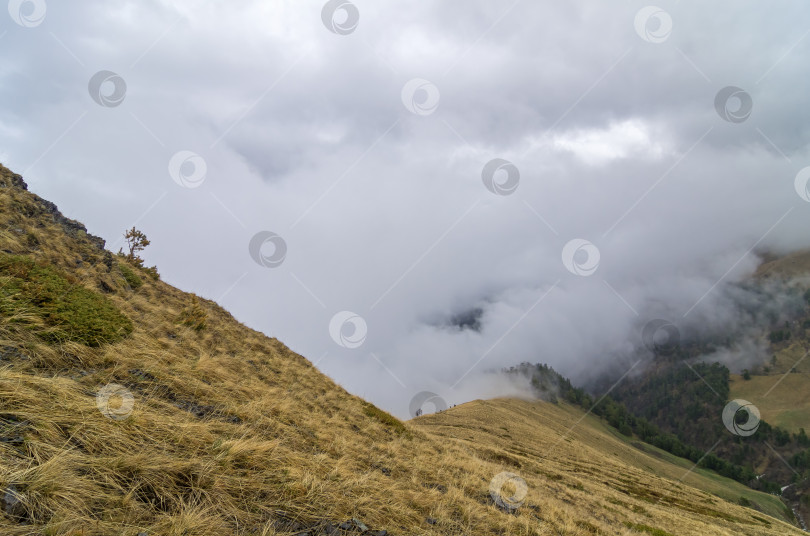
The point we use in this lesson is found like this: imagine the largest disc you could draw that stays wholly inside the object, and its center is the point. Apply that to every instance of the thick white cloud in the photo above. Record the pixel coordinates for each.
(384, 212)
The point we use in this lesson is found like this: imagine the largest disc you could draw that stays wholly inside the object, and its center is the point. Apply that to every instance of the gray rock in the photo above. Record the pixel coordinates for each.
(17, 180)
(12, 502)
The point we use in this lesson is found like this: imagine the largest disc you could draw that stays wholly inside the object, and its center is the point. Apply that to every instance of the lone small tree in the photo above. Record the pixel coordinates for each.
(136, 241)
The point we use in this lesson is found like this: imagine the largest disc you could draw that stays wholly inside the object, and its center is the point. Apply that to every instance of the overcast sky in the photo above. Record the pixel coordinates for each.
(431, 189)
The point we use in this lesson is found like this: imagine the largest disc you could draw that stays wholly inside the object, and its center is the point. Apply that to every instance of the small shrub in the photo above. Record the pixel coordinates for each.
(56, 307)
(152, 272)
(130, 277)
(31, 240)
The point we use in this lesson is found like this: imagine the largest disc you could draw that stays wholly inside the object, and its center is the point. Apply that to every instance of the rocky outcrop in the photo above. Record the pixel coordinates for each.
(73, 228)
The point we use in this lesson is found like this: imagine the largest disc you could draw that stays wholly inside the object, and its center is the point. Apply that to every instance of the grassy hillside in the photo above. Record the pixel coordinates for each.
(128, 407)
(599, 473)
(786, 406)
(795, 264)
(780, 387)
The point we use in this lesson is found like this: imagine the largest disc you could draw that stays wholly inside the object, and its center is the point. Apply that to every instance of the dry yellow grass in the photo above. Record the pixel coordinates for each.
(592, 479)
(795, 264)
(230, 432)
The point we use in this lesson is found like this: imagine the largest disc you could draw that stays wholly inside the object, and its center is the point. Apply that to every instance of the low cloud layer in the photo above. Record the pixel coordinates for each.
(607, 119)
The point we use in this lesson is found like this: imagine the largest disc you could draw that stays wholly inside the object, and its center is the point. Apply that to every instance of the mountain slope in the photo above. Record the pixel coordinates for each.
(795, 264)
(130, 407)
(787, 405)
(780, 387)
(585, 466)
